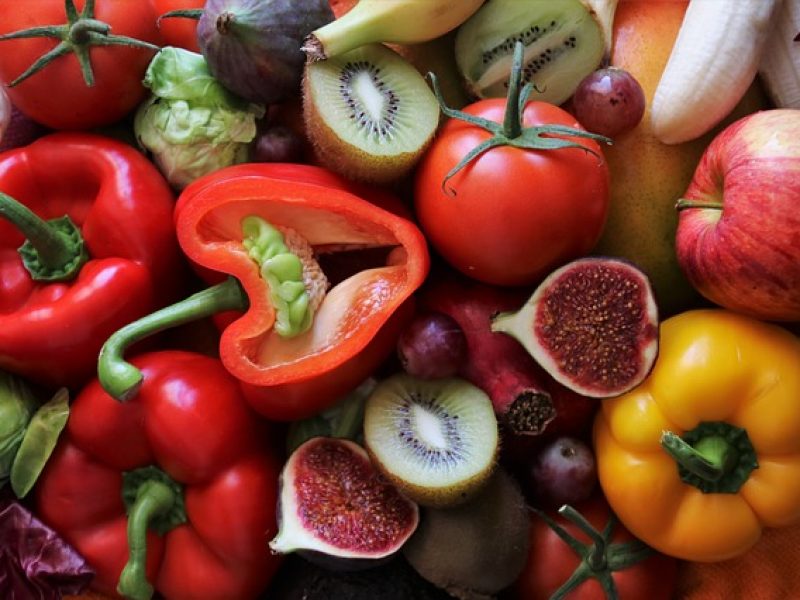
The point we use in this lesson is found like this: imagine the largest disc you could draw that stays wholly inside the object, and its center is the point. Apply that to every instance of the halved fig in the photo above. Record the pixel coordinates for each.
(592, 324)
(337, 510)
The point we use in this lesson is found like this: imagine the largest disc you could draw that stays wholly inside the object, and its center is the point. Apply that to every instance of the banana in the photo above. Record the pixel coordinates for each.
(396, 21)
(780, 62)
(713, 62)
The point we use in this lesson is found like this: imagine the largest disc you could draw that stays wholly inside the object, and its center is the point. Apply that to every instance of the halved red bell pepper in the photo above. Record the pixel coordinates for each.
(113, 260)
(191, 465)
(351, 332)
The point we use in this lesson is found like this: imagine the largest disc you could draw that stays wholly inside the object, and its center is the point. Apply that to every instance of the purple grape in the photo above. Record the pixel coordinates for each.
(433, 346)
(278, 143)
(563, 472)
(609, 101)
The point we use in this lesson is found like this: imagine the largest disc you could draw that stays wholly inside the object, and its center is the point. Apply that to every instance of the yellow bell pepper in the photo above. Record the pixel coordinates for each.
(705, 452)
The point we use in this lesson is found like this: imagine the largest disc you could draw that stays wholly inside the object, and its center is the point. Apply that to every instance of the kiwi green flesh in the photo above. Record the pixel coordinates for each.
(371, 98)
(563, 43)
(436, 440)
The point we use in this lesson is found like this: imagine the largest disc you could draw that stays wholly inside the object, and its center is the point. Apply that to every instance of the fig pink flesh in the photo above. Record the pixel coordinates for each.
(594, 322)
(340, 493)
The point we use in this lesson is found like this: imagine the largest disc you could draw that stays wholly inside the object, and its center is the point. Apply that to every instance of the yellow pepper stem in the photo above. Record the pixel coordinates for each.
(714, 457)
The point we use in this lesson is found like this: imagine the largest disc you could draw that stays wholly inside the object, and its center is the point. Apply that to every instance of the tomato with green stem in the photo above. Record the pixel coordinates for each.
(511, 189)
(177, 21)
(583, 553)
(76, 64)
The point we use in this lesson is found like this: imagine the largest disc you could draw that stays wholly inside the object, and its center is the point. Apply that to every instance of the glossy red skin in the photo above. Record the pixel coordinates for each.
(745, 256)
(178, 31)
(551, 562)
(189, 419)
(306, 385)
(517, 214)
(52, 332)
(58, 96)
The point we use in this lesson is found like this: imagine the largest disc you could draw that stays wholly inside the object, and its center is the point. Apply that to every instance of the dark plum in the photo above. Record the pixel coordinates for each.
(609, 101)
(563, 472)
(432, 346)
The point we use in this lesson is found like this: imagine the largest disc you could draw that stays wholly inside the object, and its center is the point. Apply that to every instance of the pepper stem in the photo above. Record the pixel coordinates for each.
(120, 378)
(710, 458)
(714, 457)
(54, 250)
(153, 501)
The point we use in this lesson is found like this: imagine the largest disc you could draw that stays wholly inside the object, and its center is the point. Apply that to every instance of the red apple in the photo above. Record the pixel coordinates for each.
(738, 237)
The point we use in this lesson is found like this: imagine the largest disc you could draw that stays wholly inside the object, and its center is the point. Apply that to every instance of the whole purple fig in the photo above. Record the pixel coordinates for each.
(253, 46)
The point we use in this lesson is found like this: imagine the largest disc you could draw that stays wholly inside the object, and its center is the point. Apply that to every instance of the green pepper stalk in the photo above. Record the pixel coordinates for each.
(512, 132)
(296, 287)
(54, 250)
(715, 457)
(153, 501)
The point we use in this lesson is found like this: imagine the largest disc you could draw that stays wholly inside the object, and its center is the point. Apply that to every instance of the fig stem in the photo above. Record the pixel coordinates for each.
(685, 203)
(512, 132)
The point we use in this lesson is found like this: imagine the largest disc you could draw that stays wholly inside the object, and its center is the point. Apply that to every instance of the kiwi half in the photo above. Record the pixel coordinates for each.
(436, 440)
(564, 42)
(369, 113)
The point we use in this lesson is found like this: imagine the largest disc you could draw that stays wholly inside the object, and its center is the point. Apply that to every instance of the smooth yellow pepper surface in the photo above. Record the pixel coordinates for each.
(720, 412)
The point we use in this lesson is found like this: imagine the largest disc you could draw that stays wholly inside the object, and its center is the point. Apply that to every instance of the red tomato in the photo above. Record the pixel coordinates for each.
(57, 96)
(516, 213)
(178, 31)
(551, 562)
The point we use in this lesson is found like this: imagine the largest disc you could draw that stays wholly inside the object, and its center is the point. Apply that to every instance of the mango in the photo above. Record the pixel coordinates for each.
(647, 176)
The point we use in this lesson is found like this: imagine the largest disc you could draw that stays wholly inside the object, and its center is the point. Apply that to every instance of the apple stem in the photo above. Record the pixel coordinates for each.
(684, 203)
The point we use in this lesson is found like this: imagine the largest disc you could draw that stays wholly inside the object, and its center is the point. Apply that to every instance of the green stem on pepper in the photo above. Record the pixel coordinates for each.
(54, 250)
(512, 131)
(120, 378)
(714, 457)
(153, 501)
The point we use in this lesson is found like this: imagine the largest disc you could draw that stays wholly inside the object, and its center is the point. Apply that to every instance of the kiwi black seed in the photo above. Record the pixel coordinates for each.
(369, 113)
(436, 440)
(564, 41)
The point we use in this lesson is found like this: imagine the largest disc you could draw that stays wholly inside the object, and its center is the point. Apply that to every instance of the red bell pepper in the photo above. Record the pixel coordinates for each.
(101, 251)
(353, 330)
(188, 461)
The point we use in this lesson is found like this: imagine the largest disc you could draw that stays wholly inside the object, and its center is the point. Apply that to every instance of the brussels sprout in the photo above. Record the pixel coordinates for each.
(191, 124)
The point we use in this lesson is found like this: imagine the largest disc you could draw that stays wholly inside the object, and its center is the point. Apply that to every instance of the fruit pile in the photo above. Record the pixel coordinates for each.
(397, 299)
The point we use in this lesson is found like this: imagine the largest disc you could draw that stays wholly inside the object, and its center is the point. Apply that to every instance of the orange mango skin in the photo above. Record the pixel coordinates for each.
(713, 365)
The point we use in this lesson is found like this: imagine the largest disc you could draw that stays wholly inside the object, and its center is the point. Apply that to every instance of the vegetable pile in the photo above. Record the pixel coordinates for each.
(354, 299)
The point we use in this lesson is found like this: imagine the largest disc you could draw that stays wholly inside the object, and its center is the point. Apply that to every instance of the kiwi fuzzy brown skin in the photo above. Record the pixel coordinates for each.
(348, 159)
(478, 549)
